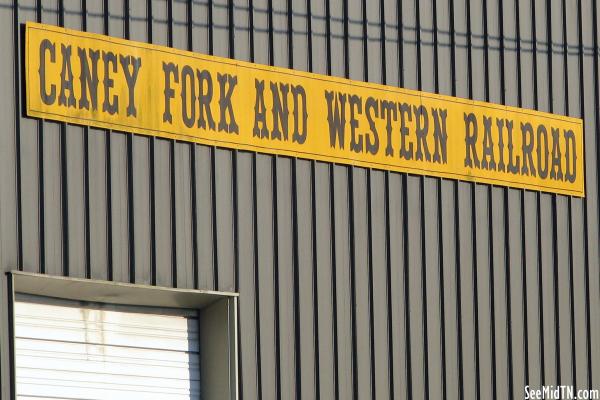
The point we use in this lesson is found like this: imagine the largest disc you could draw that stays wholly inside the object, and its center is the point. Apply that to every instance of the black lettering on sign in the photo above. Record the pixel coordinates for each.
(188, 90)
(556, 168)
(299, 97)
(527, 149)
(542, 152)
(570, 156)
(488, 161)
(389, 111)
(260, 111)
(500, 125)
(131, 79)
(88, 78)
(471, 157)
(355, 108)
(336, 117)
(205, 98)
(225, 103)
(514, 163)
(280, 110)
(406, 153)
(66, 78)
(109, 106)
(372, 106)
(46, 46)
(422, 122)
(169, 69)
(440, 136)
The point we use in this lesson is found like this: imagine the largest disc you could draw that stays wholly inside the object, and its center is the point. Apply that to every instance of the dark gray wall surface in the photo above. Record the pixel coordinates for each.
(354, 283)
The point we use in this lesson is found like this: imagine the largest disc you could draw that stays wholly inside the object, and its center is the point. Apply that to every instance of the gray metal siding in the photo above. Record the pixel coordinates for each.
(354, 283)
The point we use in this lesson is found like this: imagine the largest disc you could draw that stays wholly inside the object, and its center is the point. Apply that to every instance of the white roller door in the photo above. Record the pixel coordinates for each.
(71, 350)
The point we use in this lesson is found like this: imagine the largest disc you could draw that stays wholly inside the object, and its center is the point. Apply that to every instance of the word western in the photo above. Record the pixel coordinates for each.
(344, 109)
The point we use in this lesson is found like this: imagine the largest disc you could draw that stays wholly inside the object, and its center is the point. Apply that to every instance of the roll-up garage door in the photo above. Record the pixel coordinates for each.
(72, 350)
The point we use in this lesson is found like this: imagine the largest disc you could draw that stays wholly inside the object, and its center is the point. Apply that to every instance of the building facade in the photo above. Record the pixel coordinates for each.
(354, 283)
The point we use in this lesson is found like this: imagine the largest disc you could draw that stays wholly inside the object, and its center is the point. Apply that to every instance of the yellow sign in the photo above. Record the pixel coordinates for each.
(95, 80)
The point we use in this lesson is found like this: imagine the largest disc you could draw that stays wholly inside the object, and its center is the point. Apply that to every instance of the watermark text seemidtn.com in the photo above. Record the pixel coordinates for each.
(561, 392)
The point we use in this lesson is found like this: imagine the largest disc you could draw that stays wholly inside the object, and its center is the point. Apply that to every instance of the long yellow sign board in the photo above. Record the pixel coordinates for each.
(95, 80)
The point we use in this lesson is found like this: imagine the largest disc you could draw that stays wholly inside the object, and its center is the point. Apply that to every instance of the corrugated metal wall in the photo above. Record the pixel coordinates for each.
(354, 283)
